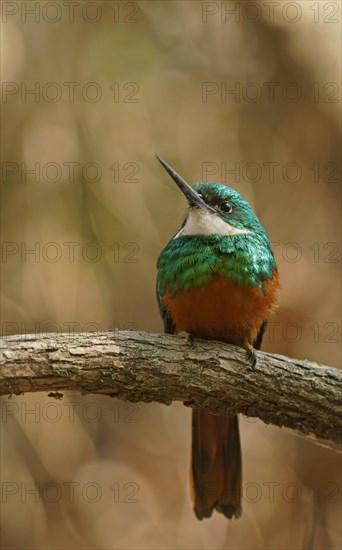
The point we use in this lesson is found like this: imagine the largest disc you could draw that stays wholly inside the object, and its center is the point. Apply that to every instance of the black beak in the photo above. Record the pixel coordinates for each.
(193, 197)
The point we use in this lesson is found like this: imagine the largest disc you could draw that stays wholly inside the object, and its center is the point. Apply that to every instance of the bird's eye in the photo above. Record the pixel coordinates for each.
(226, 207)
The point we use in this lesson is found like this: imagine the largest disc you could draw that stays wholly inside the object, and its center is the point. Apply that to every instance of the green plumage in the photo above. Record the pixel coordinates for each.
(191, 261)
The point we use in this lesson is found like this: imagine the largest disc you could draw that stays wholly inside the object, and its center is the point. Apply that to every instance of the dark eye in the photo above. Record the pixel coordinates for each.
(226, 207)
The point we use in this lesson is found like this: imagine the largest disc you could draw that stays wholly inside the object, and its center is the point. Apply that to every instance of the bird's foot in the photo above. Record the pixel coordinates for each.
(251, 355)
(190, 340)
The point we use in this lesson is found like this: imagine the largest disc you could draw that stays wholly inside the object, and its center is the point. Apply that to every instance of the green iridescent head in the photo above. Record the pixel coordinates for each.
(228, 205)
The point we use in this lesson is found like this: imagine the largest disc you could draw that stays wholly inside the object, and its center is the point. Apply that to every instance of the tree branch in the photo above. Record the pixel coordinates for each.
(138, 366)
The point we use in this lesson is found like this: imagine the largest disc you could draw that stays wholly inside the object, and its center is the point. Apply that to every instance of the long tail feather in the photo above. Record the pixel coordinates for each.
(216, 468)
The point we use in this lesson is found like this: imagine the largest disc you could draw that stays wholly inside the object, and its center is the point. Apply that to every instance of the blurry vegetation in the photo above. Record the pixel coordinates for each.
(107, 222)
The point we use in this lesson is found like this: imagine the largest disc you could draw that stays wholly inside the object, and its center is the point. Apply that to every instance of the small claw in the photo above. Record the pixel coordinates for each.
(251, 355)
(191, 340)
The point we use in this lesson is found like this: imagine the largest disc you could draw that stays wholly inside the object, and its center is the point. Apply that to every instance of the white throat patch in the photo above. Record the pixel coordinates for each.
(201, 222)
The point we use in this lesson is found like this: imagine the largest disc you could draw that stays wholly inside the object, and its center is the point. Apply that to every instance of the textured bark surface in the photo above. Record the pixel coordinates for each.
(137, 366)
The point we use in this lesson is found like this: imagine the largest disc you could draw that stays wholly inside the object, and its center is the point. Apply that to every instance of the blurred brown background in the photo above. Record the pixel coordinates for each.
(86, 211)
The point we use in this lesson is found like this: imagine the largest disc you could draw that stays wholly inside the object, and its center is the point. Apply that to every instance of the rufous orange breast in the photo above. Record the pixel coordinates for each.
(222, 310)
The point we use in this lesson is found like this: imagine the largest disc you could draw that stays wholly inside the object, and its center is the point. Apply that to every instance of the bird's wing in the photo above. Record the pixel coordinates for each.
(169, 327)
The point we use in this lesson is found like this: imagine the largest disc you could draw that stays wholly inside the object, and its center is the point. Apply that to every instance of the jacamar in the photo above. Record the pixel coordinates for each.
(218, 280)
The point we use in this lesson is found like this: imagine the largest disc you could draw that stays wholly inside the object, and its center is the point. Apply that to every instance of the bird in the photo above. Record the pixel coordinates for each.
(217, 279)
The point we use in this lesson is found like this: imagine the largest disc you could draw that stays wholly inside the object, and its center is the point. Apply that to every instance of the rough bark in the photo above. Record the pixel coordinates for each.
(137, 366)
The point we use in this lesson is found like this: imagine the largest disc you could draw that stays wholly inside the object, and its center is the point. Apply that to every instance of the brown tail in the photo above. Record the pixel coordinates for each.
(216, 470)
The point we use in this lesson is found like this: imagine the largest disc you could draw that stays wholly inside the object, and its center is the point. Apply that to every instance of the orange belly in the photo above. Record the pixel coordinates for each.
(222, 310)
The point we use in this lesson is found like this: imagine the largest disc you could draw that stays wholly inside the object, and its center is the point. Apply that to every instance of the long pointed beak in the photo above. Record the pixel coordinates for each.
(193, 197)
